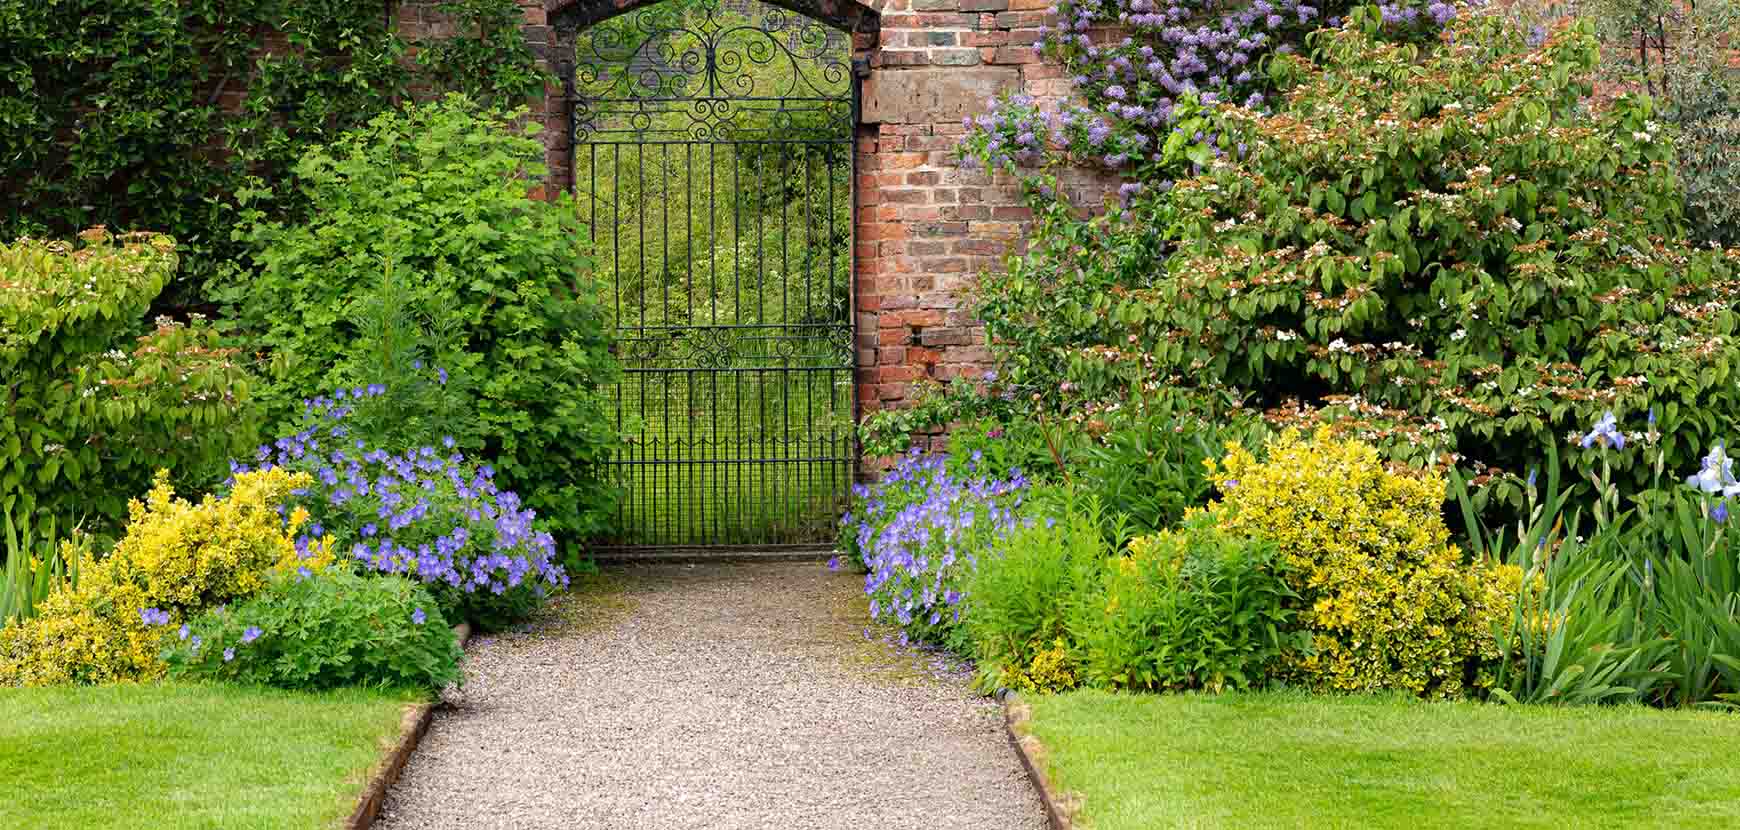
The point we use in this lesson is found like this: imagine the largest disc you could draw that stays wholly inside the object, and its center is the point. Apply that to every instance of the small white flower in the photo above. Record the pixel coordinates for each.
(1458, 334)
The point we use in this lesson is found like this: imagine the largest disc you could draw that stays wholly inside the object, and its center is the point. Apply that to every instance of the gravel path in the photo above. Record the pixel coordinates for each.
(711, 696)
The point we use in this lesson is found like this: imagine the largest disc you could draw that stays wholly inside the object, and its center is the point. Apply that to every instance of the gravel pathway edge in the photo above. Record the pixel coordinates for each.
(411, 731)
(713, 697)
(1059, 809)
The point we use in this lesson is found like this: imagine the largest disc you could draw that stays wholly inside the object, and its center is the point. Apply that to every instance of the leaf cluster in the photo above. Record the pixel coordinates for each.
(150, 114)
(93, 402)
(436, 194)
(322, 632)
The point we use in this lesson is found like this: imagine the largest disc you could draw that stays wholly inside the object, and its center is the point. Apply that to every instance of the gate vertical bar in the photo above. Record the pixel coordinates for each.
(731, 444)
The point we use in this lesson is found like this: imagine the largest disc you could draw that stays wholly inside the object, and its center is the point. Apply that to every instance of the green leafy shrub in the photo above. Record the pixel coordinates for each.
(1143, 456)
(1190, 608)
(176, 559)
(92, 408)
(150, 114)
(321, 632)
(440, 191)
(1020, 591)
(1146, 458)
(1385, 598)
(1452, 245)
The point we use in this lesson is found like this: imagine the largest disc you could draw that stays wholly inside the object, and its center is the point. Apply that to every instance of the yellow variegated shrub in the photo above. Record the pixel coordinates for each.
(1052, 669)
(176, 558)
(1387, 600)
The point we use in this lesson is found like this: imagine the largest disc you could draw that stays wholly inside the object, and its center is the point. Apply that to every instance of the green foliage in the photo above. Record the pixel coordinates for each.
(91, 408)
(1385, 597)
(1680, 54)
(439, 190)
(35, 564)
(1143, 457)
(1191, 608)
(1640, 604)
(1448, 248)
(322, 632)
(1020, 593)
(1147, 458)
(151, 113)
(934, 407)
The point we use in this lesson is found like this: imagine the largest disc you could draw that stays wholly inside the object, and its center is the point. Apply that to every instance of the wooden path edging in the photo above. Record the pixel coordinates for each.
(1015, 716)
(411, 730)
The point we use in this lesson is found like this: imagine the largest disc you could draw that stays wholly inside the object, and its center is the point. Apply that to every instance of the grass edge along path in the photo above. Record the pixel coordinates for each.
(177, 755)
(1289, 759)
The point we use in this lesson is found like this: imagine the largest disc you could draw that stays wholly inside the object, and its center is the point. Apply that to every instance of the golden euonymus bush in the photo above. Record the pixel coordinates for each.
(176, 558)
(1387, 601)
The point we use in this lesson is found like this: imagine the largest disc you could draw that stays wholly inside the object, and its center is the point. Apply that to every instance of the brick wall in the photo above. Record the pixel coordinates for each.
(926, 227)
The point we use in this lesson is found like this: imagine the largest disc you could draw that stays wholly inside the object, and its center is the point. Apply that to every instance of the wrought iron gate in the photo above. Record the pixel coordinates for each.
(713, 163)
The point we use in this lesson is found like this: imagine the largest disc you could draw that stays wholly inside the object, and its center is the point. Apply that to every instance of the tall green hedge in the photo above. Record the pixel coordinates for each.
(122, 112)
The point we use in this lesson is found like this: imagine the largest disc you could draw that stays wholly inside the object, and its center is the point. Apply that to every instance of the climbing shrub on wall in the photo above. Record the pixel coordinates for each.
(121, 112)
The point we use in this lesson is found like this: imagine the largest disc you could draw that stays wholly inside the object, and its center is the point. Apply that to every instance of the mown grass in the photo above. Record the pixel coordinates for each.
(1296, 760)
(188, 756)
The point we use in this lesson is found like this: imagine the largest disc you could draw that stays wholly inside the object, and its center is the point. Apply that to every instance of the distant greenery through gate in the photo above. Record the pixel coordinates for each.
(713, 163)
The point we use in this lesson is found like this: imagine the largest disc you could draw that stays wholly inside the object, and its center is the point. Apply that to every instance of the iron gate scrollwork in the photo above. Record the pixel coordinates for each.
(712, 158)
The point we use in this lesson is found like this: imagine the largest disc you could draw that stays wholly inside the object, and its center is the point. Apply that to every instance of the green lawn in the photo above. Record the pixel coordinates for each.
(1293, 760)
(183, 756)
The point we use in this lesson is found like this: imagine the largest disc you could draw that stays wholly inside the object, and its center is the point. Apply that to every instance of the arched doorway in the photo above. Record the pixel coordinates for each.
(712, 156)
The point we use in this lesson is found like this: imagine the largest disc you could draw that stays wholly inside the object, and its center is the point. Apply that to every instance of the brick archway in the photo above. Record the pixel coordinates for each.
(923, 227)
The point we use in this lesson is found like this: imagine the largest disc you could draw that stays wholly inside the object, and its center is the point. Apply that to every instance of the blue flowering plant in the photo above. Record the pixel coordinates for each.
(920, 532)
(322, 631)
(427, 513)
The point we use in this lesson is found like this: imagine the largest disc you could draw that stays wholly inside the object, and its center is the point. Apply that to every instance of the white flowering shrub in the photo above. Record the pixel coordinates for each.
(95, 399)
(1452, 243)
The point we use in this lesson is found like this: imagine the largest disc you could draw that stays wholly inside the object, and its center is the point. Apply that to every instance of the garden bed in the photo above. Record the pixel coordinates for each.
(1296, 760)
(190, 755)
